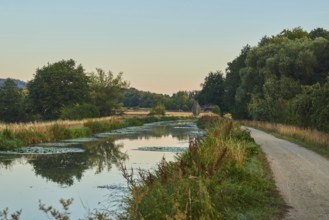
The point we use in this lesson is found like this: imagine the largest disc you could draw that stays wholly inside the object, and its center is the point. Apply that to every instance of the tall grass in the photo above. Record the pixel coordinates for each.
(221, 176)
(314, 139)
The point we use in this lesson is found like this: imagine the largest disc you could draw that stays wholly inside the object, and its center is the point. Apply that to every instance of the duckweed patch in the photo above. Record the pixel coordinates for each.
(43, 150)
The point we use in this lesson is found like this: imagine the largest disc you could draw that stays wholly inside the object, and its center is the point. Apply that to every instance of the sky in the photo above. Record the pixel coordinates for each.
(160, 46)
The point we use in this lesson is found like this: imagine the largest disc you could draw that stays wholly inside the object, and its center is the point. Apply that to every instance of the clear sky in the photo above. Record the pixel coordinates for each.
(160, 46)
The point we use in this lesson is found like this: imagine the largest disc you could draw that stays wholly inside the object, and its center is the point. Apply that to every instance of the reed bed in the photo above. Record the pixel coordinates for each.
(43, 127)
(311, 136)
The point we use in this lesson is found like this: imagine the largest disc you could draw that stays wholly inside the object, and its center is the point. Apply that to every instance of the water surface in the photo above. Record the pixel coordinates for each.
(89, 173)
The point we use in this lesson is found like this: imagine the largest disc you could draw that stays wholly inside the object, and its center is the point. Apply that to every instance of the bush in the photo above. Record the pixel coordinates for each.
(8, 140)
(215, 109)
(76, 112)
(80, 131)
(158, 110)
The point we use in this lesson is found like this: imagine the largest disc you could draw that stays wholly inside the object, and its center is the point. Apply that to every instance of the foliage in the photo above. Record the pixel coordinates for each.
(11, 102)
(57, 85)
(220, 177)
(212, 90)
(179, 101)
(8, 140)
(106, 91)
(215, 109)
(78, 112)
(14, 216)
(53, 213)
(158, 110)
(282, 80)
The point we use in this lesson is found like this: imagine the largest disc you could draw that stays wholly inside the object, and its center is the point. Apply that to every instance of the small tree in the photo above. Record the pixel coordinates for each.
(158, 110)
(11, 102)
(106, 91)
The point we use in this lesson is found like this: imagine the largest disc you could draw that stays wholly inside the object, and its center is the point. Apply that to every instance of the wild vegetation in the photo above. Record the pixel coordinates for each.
(221, 176)
(13, 136)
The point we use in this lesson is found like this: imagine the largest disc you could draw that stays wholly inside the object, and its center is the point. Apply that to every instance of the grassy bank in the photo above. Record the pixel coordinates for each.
(308, 138)
(221, 176)
(13, 136)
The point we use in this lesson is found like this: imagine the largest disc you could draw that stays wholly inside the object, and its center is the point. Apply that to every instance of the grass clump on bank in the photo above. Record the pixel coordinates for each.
(221, 176)
(308, 138)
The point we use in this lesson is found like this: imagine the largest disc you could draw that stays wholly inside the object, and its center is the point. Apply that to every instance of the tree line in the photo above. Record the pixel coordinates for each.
(64, 90)
(284, 79)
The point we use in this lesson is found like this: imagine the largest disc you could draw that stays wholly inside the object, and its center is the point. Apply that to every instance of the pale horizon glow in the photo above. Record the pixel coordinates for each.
(160, 46)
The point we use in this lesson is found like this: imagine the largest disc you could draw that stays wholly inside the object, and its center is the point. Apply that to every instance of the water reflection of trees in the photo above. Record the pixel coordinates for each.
(181, 131)
(66, 168)
(6, 161)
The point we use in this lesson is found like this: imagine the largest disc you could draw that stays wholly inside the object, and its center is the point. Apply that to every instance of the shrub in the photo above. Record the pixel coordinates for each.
(158, 110)
(8, 140)
(215, 109)
(76, 112)
(80, 131)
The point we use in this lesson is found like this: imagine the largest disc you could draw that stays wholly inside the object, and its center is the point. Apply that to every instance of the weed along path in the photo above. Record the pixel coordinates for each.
(301, 175)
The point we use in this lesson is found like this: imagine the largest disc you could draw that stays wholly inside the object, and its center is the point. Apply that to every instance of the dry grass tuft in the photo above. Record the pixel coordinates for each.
(304, 134)
(45, 127)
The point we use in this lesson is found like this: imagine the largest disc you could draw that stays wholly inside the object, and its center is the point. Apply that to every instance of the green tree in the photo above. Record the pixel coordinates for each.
(106, 91)
(233, 81)
(57, 85)
(212, 90)
(11, 102)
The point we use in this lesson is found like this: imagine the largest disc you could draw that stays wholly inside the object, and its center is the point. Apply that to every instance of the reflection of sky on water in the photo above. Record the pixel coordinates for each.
(91, 177)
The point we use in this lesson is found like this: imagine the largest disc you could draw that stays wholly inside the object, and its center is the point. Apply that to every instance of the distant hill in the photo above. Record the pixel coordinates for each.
(19, 83)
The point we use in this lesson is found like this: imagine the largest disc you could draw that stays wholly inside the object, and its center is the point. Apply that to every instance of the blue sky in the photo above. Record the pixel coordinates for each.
(160, 46)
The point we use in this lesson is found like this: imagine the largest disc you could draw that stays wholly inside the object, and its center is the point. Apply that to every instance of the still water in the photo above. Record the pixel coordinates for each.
(87, 169)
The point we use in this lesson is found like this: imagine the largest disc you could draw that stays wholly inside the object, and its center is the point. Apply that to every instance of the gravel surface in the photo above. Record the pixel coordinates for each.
(301, 176)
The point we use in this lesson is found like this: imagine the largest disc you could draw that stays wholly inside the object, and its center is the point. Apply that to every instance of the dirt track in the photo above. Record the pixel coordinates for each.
(302, 176)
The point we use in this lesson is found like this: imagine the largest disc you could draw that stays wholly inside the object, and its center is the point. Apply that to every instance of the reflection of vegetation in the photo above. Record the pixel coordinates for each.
(103, 155)
(60, 168)
(6, 162)
(64, 168)
(180, 130)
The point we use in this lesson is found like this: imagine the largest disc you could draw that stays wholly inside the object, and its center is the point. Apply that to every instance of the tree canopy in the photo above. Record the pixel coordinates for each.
(106, 91)
(277, 80)
(58, 85)
(11, 102)
(212, 91)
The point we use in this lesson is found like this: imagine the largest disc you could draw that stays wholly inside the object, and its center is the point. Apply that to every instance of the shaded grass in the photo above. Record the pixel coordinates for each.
(309, 138)
(222, 176)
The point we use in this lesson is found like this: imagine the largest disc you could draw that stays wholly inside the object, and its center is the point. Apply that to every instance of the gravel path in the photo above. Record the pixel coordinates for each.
(301, 176)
